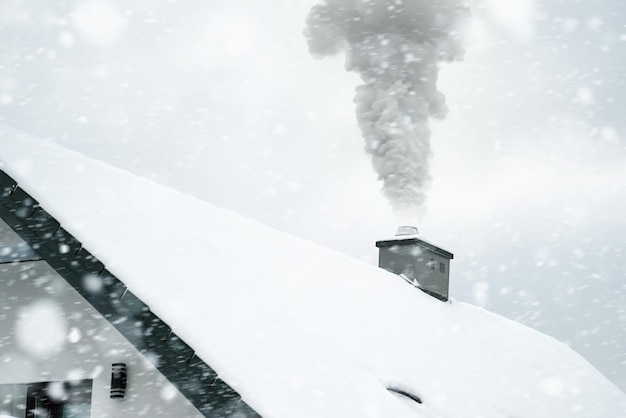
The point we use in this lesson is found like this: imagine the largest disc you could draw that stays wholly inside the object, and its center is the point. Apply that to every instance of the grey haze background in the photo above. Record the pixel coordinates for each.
(223, 101)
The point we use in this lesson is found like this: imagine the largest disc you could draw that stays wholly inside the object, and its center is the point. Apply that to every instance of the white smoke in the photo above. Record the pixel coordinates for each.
(396, 47)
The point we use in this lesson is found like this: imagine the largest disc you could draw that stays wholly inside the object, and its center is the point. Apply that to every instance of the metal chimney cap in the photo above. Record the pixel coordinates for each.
(406, 230)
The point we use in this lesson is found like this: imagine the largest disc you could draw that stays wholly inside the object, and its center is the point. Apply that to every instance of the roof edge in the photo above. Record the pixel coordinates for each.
(198, 382)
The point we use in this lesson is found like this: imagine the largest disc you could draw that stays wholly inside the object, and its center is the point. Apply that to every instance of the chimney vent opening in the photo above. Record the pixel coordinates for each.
(406, 230)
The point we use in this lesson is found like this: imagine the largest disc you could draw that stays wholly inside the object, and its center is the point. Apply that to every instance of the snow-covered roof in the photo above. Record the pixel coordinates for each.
(297, 329)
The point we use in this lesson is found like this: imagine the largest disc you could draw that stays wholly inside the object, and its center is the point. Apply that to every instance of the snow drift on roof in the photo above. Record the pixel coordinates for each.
(297, 329)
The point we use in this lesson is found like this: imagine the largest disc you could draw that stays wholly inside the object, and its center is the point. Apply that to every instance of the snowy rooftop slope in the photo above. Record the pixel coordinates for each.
(297, 329)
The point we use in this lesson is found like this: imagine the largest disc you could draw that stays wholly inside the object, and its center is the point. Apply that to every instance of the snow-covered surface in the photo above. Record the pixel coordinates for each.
(297, 329)
(405, 237)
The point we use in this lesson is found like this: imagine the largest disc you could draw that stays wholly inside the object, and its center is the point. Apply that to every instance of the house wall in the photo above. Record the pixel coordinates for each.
(48, 332)
(12, 247)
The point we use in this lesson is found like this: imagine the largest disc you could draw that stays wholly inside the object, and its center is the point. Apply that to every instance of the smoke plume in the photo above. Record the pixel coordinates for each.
(396, 47)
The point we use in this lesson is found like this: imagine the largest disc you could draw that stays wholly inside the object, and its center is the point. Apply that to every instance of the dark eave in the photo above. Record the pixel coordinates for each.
(176, 360)
(416, 241)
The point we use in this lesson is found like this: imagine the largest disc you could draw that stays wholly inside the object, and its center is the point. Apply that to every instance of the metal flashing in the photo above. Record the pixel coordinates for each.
(175, 359)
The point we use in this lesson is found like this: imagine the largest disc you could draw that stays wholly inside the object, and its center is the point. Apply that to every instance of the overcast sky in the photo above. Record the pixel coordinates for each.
(222, 100)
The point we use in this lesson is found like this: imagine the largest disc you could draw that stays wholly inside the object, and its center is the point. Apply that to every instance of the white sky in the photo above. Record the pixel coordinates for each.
(223, 101)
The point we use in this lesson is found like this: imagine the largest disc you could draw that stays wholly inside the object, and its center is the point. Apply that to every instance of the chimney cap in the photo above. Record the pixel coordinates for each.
(406, 230)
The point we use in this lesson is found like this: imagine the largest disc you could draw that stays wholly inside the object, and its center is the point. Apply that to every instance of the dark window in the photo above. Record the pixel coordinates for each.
(432, 264)
(442, 268)
(48, 399)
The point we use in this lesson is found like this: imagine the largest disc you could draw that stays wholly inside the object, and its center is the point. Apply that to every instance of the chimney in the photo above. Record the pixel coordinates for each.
(419, 262)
